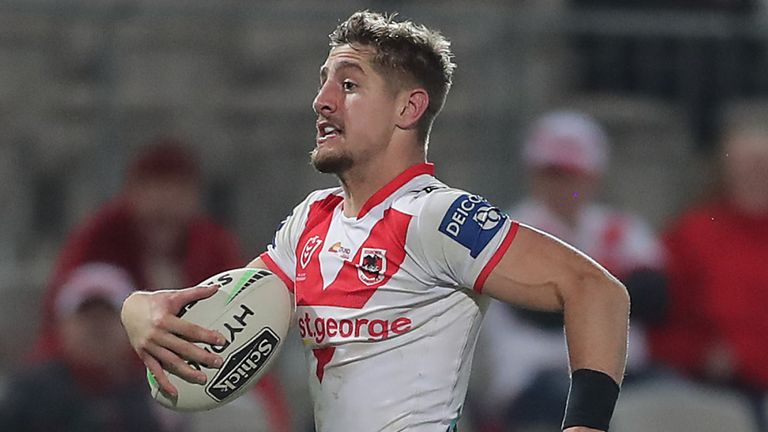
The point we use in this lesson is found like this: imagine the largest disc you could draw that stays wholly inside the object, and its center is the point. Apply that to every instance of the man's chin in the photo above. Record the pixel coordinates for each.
(330, 164)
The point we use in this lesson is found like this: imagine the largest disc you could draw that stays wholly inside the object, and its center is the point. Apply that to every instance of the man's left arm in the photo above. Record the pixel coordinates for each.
(540, 272)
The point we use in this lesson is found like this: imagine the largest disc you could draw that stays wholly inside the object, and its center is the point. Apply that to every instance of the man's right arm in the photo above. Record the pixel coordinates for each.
(165, 342)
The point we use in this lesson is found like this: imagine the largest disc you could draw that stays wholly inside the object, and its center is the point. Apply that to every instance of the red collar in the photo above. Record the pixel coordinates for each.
(395, 184)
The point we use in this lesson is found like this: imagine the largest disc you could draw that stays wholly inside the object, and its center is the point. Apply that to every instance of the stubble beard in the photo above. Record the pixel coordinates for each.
(329, 162)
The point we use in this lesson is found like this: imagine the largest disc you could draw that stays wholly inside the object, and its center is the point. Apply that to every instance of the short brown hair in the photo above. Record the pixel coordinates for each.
(412, 51)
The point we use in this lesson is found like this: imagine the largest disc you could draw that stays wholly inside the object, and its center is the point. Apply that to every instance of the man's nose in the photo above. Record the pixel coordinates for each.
(325, 101)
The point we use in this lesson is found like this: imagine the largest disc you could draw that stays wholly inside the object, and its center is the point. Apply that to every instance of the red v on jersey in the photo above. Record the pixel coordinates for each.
(323, 356)
(377, 259)
(363, 310)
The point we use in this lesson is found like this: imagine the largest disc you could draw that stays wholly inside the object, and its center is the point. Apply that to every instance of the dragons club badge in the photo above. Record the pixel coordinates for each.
(372, 265)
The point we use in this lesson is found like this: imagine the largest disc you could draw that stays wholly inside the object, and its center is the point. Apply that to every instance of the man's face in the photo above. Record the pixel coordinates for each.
(93, 336)
(564, 190)
(356, 111)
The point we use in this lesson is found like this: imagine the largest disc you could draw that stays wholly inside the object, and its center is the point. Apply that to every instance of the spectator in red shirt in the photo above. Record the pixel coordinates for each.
(156, 230)
(717, 326)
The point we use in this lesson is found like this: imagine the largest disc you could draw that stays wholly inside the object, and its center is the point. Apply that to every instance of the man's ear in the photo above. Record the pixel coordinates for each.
(414, 103)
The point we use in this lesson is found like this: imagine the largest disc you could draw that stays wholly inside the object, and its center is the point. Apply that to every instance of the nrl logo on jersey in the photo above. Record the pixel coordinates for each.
(310, 247)
(372, 265)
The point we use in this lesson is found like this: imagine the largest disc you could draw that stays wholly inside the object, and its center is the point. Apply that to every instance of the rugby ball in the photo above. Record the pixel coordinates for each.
(252, 309)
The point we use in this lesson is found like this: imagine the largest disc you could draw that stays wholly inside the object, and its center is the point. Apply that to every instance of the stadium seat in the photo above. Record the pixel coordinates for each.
(681, 407)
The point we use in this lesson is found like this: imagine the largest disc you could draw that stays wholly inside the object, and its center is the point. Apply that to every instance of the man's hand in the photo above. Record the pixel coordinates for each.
(164, 341)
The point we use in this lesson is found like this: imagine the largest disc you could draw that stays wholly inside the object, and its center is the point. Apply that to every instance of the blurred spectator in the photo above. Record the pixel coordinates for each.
(717, 326)
(524, 351)
(156, 230)
(87, 384)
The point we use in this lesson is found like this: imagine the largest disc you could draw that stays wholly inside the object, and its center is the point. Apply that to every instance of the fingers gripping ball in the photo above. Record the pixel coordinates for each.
(252, 309)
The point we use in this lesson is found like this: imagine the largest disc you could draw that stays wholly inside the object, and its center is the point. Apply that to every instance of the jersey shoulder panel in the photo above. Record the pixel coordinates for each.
(282, 250)
(457, 233)
(413, 200)
(466, 219)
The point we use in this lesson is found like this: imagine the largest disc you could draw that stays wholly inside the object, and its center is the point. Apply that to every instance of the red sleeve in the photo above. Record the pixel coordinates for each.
(494, 261)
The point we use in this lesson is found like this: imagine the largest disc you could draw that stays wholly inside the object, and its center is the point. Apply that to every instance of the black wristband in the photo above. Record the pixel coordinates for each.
(591, 400)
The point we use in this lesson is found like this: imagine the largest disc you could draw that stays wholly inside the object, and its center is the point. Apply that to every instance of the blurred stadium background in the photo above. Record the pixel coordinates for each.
(84, 82)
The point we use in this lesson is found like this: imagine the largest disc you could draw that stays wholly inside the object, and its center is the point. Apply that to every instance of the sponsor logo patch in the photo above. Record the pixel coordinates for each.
(472, 222)
(340, 250)
(242, 365)
(316, 330)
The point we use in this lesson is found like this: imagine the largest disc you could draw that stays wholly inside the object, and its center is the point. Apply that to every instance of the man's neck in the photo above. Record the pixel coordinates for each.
(362, 182)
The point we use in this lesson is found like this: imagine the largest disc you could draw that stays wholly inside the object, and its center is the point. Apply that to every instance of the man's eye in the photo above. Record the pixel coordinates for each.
(348, 85)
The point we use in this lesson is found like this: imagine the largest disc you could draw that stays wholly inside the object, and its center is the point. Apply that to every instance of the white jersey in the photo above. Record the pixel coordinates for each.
(388, 302)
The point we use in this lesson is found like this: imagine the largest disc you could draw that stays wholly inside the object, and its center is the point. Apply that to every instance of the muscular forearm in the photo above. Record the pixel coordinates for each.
(543, 273)
(596, 325)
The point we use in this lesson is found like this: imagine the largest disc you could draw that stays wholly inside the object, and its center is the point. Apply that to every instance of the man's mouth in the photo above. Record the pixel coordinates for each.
(326, 131)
